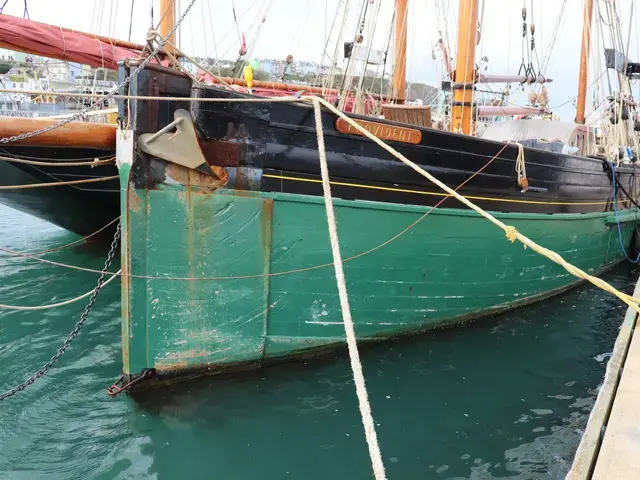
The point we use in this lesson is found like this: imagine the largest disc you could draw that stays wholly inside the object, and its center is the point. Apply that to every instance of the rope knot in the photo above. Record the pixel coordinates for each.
(512, 233)
(151, 35)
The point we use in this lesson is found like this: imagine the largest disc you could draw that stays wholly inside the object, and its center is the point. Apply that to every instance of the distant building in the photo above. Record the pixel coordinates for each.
(58, 70)
(11, 55)
(75, 70)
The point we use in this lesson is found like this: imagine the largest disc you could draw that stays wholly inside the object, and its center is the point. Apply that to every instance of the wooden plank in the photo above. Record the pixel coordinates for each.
(619, 456)
(419, 115)
(587, 455)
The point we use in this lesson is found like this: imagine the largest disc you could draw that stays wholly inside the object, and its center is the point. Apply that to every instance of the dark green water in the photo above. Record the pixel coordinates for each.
(503, 398)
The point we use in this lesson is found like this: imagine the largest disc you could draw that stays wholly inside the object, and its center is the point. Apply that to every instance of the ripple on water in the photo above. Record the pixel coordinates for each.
(506, 397)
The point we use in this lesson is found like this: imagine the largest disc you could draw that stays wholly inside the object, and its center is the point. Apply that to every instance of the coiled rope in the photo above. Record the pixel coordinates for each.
(521, 169)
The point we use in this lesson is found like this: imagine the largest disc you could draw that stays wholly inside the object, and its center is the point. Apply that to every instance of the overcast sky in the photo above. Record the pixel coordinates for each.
(298, 27)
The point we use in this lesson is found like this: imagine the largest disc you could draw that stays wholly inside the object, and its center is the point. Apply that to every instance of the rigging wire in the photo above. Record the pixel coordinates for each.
(204, 28)
(326, 20)
(601, 23)
(170, 6)
(193, 45)
(235, 19)
(348, 71)
(213, 34)
(299, 30)
(110, 17)
(93, 15)
(131, 18)
(257, 23)
(371, 35)
(385, 57)
(115, 20)
(224, 54)
(546, 59)
(100, 17)
(340, 19)
(572, 99)
(178, 37)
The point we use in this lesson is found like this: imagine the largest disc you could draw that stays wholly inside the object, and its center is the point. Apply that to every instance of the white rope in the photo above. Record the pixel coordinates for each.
(59, 304)
(58, 184)
(354, 356)
(88, 114)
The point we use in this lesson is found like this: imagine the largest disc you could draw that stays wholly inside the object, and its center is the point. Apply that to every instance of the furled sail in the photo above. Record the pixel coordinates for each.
(63, 44)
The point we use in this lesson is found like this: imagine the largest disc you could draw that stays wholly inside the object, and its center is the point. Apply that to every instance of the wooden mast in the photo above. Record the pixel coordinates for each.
(400, 52)
(168, 20)
(584, 63)
(462, 112)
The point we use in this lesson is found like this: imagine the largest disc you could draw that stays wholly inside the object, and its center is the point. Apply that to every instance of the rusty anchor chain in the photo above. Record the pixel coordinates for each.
(78, 326)
(120, 385)
(76, 116)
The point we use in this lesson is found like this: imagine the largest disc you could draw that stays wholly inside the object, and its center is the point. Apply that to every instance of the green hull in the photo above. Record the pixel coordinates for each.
(452, 266)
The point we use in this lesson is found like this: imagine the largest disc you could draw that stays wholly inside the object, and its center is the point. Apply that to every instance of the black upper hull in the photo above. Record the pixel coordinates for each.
(272, 147)
(280, 140)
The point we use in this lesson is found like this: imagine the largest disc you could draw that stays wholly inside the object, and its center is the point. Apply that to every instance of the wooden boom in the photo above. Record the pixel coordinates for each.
(73, 134)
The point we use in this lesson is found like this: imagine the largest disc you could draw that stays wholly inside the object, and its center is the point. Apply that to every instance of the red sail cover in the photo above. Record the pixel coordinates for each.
(54, 42)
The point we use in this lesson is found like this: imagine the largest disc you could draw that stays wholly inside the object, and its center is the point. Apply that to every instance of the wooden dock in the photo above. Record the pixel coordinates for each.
(610, 446)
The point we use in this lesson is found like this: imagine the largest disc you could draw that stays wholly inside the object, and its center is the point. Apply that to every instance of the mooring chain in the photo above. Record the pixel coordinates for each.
(160, 44)
(78, 326)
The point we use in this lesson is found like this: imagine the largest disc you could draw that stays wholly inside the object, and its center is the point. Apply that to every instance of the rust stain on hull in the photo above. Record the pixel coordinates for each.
(220, 152)
(135, 203)
(181, 360)
(193, 178)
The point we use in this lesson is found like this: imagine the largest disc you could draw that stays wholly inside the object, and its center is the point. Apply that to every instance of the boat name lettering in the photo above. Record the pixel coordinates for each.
(380, 130)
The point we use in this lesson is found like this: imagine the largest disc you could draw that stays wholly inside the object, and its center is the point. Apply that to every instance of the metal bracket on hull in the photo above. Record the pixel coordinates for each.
(180, 147)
